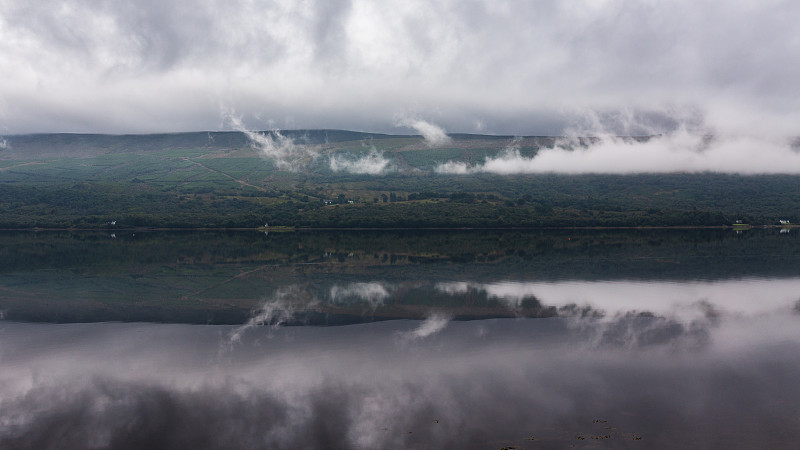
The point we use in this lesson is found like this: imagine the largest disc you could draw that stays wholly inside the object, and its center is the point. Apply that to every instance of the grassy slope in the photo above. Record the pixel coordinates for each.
(218, 180)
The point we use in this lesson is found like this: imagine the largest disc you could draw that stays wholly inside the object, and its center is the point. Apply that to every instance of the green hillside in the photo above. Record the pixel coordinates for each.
(220, 180)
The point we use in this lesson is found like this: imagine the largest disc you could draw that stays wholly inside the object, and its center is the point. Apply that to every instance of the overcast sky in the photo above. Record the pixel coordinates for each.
(490, 66)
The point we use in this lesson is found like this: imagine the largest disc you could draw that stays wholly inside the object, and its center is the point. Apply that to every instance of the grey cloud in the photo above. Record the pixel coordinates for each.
(329, 33)
(150, 36)
(516, 68)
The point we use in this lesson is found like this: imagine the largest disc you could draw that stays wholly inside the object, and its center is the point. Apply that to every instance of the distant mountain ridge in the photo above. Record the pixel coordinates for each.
(328, 179)
(88, 144)
(49, 145)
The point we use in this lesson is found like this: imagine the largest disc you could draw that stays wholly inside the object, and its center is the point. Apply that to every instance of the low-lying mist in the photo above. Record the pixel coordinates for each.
(373, 163)
(682, 146)
(282, 150)
(679, 151)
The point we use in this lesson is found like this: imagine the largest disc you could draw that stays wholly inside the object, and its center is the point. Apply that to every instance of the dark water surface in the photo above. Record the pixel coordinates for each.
(585, 339)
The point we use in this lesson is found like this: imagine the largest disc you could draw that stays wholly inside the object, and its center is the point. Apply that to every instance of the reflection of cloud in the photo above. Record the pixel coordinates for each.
(432, 324)
(455, 287)
(510, 293)
(631, 331)
(373, 163)
(373, 293)
(683, 300)
(150, 385)
(275, 311)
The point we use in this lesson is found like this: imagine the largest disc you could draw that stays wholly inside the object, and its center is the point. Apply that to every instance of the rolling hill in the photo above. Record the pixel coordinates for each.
(335, 178)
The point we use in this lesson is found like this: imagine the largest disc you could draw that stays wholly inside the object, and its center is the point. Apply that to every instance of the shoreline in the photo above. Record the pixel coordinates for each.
(280, 229)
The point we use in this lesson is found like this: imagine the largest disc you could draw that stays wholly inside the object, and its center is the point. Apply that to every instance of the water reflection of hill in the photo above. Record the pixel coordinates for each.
(220, 277)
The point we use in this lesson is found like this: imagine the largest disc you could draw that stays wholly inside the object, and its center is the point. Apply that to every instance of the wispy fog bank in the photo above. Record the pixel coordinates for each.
(373, 163)
(282, 150)
(678, 151)
(433, 134)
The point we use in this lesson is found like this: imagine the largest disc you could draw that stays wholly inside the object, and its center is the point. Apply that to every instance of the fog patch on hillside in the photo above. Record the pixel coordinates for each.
(373, 163)
(433, 134)
(635, 143)
(282, 150)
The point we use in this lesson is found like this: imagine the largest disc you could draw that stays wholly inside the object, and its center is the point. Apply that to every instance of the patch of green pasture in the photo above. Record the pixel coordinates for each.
(259, 176)
(236, 167)
(10, 163)
(429, 158)
(210, 176)
(50, 171)
(183, 152)
(181, 175)
(394, 143)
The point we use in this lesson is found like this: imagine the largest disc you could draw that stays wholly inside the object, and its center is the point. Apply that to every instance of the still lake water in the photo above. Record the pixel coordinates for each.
(399, 339)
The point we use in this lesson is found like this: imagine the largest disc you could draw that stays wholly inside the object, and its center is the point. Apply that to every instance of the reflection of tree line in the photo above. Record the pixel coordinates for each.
(332, 304)
(537, 254)
(375, 301)
(317, 298)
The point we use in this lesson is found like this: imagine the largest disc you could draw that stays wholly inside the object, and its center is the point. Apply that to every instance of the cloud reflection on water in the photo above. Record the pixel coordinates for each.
(281, 308)
(692, 364)
(608, 304)
(473, 384)
(373, 293)
(434, 323)
(685, 300)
